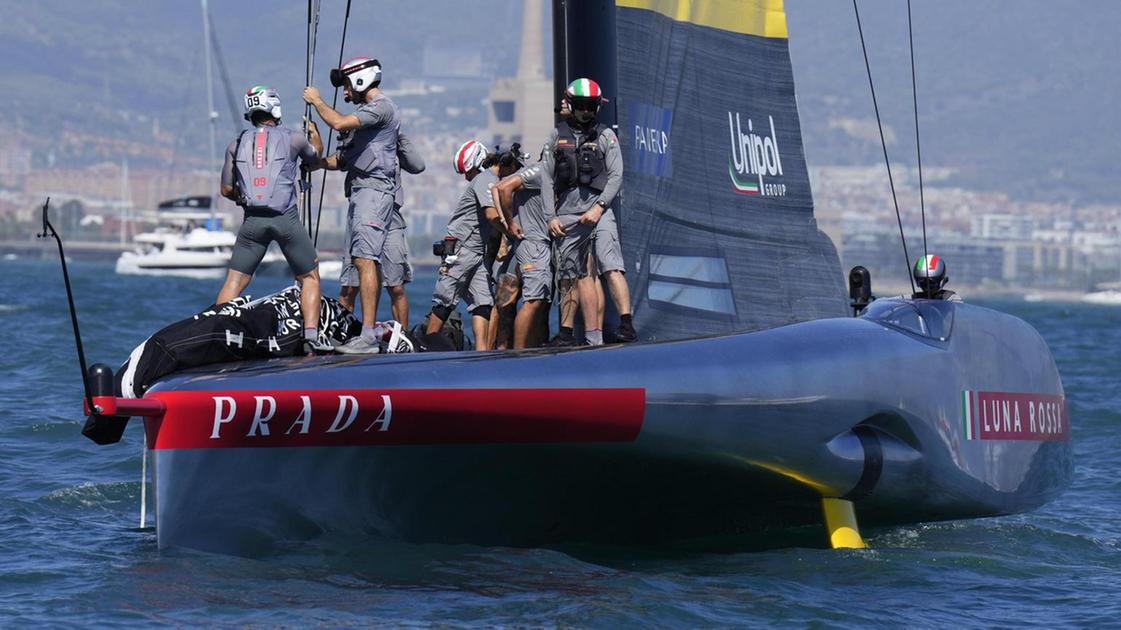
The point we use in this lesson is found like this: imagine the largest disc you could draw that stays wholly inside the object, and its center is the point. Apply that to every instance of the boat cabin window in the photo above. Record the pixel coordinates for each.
(928, 318)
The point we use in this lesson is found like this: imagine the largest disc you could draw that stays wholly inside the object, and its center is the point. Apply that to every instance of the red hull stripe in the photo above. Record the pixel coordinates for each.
(372, 417)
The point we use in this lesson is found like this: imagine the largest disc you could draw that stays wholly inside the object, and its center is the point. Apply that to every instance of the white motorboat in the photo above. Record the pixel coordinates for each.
(1111, 297)
(188, 243)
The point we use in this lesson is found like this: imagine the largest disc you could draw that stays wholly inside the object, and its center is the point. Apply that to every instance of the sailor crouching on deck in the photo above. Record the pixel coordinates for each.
(463, 273)
(368, 154)
(527, 204)
(396, 271)
(260, 174)
(586, 166)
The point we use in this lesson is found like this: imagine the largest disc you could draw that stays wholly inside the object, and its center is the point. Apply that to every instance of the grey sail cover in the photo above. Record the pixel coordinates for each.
(717, 222)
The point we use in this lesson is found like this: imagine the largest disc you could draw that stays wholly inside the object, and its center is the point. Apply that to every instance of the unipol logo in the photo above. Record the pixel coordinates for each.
(755, 158)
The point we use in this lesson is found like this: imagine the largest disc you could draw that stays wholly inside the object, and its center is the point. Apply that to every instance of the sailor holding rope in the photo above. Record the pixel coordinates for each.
(368, 153)
(260, 174)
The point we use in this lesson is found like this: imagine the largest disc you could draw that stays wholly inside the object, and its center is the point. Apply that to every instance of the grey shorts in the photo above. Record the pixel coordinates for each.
(395, 268)
(609, 254)
(573, 248)
(466, 278)
(534, 260)
(260, 229)
(368, 222)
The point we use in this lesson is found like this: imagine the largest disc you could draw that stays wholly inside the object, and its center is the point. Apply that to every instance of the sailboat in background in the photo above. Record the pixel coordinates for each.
(754, 402)
(190, 238)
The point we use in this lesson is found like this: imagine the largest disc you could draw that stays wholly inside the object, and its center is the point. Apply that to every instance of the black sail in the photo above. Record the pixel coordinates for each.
(716, 219)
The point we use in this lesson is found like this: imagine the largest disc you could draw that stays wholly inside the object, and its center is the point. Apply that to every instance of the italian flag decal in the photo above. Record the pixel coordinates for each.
(966, 416)
(584, 88)
(930, 261)
(741, 186)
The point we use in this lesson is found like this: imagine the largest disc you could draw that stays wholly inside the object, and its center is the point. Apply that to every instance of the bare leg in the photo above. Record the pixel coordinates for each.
(434, 324)
(502, 317)
(600, 301)
(568, 302)
(346, 297)
(309, 298)
(492, 327)
(524, 322)
(586, 287)
(539, 333)
(620, 292)
(480, 326)
(234, 285)
(399, 303)
(369, 287)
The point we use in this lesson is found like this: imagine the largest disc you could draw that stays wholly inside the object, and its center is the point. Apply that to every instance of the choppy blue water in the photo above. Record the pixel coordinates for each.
(70, 553)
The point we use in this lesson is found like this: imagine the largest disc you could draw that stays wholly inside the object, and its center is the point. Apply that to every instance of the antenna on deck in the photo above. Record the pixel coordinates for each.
(49, 231)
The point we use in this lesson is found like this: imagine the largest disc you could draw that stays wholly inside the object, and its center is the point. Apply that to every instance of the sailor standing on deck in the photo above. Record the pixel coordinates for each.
(396, 271)
(527, 203)
(586, 165)
(368, 154)
(463, 272)
(260, 174)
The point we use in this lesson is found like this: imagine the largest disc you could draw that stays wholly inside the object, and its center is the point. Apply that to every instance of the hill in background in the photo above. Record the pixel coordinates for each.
(1018, 97)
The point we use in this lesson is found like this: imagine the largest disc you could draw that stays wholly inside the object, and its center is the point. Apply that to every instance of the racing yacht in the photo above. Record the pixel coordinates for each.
(754, 401)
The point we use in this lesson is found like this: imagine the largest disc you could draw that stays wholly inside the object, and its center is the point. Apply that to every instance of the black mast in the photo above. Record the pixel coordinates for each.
(584, 46)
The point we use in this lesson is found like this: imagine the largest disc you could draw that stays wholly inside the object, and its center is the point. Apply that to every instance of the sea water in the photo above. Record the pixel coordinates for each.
(71, 552)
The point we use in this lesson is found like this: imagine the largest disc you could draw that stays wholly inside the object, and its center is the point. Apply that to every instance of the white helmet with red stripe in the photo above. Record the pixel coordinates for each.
(469, 156)
(360, 73)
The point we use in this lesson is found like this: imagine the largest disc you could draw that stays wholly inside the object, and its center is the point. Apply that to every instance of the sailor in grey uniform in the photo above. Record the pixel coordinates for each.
(368, 154)
(532, 205)
(260, 174)
(586, 166)
(395, 269)
(463, 273)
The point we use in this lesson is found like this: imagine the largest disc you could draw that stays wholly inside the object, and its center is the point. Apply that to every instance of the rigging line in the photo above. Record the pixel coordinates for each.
(883, 143)
(918, 145)
(309, 74)
(330, 134)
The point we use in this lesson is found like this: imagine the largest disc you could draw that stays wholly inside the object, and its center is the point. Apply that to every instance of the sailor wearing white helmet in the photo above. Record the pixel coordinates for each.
(463, 273)
(260, 174)
(368, 154)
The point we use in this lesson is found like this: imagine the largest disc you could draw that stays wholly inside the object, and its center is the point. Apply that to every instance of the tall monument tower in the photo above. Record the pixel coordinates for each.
(521, 107)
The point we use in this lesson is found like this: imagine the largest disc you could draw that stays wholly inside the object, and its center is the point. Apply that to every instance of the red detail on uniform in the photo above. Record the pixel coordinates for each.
(353, 65)
(259, 143)
(371, 417)
(1018, 416)
(932, 263)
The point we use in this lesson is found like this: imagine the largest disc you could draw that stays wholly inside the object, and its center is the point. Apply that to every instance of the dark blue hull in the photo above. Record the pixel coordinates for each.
(730, 435)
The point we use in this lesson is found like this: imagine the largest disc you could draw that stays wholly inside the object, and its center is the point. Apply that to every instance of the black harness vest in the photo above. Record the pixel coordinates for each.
(579, 165)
